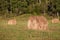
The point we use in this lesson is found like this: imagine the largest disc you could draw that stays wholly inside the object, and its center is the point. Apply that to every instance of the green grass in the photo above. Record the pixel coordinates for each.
(20, 31)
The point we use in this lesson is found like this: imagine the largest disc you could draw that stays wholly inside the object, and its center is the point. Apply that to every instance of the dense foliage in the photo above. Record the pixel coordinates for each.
(17, 7)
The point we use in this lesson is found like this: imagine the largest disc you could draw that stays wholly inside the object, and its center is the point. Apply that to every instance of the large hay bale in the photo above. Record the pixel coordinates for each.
(12, 22)
(55, 20)
(43, 23)
(37, 23)
(32, 22)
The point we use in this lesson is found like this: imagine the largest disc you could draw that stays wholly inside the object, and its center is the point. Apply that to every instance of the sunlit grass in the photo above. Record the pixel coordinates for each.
(20, 31)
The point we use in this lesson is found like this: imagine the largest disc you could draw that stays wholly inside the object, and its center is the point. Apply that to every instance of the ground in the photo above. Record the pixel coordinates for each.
(20, 31)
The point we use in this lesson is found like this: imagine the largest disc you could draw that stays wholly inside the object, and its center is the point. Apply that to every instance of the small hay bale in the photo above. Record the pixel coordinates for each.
(12, 22)
(55, 20)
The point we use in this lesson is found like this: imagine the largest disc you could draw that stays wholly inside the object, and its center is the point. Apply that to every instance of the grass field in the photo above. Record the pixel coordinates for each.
(20, 31)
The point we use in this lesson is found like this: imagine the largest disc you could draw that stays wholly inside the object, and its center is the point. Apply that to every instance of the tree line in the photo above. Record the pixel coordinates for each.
(18, 7)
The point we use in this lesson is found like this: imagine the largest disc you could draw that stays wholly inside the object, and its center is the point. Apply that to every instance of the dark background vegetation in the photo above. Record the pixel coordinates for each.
(11, 8)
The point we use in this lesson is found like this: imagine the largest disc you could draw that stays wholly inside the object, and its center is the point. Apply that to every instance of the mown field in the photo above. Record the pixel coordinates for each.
(20, 31)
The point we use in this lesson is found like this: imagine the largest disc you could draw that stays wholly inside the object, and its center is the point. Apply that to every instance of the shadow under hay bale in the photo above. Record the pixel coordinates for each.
(37, 23)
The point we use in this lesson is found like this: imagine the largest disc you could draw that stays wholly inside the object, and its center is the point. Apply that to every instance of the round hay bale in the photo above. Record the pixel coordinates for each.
(12, 22)
(32, 22)
(43, 23)
(55, 20)
(37, 23)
